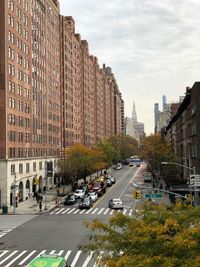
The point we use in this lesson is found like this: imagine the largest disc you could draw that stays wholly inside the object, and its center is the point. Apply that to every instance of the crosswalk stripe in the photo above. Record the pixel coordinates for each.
(100, 211)
(76, 211)
(67, 254)
(130, 212)
(3, 253)
(27, 257)
(111, 212)
(60, 252)
(76, 258)
(94, 210)
(54, 211)
(60, 211)
(89, 210)
(88, 259)
(9, 256)
(16, 258)
(70, 211)
(65, 211)
(82, 211)
(124, 211)
(106, 210)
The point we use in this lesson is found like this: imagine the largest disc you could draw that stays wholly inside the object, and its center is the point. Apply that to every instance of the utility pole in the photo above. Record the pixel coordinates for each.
(14, 193)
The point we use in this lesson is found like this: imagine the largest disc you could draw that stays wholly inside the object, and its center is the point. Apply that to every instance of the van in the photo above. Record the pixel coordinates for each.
(50, 260)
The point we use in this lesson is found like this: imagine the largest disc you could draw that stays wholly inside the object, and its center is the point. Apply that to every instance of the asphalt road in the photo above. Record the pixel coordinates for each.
(61, 230)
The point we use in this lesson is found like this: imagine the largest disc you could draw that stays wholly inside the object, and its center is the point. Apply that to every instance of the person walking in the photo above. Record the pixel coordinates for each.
(40, 204)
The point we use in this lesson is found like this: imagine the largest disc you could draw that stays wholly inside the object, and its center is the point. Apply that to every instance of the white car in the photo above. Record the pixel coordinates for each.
(118, 166)
(79, 193)
(115, 203)
(93, 196)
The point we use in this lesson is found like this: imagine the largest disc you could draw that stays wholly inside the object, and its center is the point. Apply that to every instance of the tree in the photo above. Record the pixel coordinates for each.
(156, 236)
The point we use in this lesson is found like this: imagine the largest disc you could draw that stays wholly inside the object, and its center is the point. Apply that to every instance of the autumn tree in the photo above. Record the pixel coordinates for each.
(156, 236)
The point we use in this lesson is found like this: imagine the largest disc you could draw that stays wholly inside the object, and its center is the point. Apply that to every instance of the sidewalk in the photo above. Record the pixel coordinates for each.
(30, 206)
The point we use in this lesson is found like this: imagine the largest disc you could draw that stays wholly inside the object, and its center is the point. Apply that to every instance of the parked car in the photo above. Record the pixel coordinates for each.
(79, 193)
(70, 199)
(108, 182)
(118, 166)
(93, 196)
(98, 188)
(115, 203)
(85, 203)
(112, 178)
(147, 177)
(131, 164)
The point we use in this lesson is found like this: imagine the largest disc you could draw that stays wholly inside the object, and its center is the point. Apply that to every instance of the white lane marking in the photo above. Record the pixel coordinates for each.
(76, 258)
(94, 210)
(106, 210)
(88, 259)
(67, 254)
(52, 252)
(16, 258)
(76, 211)
(60, 252)
(3, 252)
(89, 210)
(27, 257)
(124, 211)
(98, 259)
(71, 211)
(42, 252)
(9, 256)
(82, 211)
(111, 212)
(59, 211)
(100, 211)
(54, 211)
(130, 212)
(65, 211)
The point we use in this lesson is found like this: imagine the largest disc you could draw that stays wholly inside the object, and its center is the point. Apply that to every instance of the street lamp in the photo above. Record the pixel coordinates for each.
(189, 168)
(178, 164)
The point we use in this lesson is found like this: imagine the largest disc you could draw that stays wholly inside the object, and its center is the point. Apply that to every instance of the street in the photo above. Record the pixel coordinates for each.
(61, 230)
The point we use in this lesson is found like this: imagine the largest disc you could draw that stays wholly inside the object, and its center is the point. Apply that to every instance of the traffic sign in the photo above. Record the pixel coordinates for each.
(195, 183)
(153, 195)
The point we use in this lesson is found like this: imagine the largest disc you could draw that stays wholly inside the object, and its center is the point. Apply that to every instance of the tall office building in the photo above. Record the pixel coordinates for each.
(164, 101)
(52, 94)
(156, 111)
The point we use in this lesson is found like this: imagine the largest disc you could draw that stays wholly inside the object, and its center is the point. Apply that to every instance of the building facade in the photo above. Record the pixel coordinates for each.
(52, 94)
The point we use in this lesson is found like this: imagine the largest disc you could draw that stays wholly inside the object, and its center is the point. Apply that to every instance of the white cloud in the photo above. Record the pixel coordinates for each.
(152, 46)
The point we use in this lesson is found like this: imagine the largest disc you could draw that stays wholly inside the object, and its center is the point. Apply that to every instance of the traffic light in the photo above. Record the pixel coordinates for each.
(137, 194)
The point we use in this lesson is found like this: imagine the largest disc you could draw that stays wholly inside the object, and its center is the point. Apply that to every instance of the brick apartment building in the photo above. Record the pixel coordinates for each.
(52, 94)
(183, 131)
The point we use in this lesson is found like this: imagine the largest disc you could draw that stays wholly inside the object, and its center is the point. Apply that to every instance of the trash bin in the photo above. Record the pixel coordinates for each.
(5, 210)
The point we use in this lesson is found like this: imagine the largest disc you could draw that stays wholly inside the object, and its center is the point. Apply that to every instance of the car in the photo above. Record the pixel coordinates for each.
(48, 260)
(112, 178)
(115, 203)
(147, 177)
(70, 199)
(98, 188)
(131, 164)
(118, 166)
(108, 182)
(79, 193)
(85, 203)
(93, 196)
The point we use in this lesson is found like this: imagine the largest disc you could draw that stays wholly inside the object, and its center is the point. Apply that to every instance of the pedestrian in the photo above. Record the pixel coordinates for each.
(40, 205)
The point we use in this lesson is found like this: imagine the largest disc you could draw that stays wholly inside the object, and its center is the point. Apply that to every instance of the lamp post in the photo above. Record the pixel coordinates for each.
(193, 169)
(45, 196)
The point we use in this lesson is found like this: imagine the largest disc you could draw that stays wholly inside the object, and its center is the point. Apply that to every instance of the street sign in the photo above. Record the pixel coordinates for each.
(195, 183)
(153, 195)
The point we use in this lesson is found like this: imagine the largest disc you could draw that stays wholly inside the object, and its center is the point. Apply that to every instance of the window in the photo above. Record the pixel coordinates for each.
(20, 168)
(12, 169)
(34, 166)
(27, 167)
(40, 165)
(194, 129)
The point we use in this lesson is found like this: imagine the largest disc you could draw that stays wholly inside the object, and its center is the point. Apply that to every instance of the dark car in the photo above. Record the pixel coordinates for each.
(70, 199)
(108, 182)
(85, 203)
(98, 187)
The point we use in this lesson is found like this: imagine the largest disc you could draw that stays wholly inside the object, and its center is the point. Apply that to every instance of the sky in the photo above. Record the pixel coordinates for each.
(152, 46)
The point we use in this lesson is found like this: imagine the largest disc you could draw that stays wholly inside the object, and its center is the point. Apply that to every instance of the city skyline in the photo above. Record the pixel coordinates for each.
(152, 47)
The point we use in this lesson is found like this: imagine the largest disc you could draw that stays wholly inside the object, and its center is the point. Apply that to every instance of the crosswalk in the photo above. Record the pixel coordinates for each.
(13, 258)
(91, 211)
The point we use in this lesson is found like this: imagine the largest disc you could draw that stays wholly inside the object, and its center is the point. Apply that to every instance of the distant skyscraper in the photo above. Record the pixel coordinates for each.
(134, 114)
(164, 101)
(156, 111)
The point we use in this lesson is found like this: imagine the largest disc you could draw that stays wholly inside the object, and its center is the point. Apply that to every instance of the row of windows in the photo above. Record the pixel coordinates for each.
(20, 90)
(21, 167)
(11, 5)
(22, 76)
(32, 152)
(18, 120)
(19, 137)
(18, 104)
